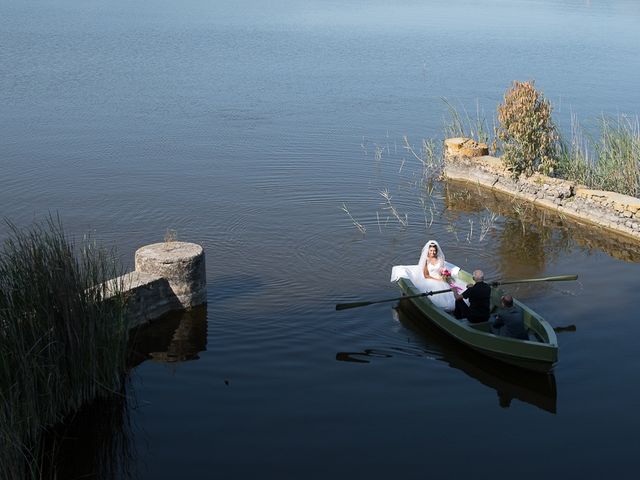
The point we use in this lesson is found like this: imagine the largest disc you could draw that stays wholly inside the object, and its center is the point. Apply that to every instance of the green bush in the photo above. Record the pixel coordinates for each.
(530, 141)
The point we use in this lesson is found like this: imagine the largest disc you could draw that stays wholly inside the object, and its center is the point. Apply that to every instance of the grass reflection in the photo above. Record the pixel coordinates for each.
(530, 237)
(94, 442)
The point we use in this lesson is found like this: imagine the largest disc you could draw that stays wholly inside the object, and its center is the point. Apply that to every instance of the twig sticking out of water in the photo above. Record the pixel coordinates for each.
(487, 223)
(409, 148)
(389, 206)
(378, 153)
(427, 156)
(361, 228)
(451, 228)
(428, 222)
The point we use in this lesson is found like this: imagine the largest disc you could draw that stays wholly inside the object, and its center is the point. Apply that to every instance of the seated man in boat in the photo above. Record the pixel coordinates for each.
(479, 296)
(509, 321)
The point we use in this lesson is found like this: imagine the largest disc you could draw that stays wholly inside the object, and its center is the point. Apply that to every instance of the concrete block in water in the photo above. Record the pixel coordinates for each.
(182, 264)
(147, 297)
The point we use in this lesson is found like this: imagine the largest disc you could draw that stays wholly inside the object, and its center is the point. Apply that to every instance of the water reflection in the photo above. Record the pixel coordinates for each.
(356, 357)
(176, 337)
(94, 442)
(509, 382)
(532, 236)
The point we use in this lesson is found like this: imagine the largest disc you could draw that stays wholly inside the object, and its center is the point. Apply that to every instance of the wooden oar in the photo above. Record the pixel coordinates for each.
(558, 278)
(344, 306)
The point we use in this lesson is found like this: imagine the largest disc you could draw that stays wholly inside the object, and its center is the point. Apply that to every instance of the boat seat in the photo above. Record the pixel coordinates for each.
(483, 326)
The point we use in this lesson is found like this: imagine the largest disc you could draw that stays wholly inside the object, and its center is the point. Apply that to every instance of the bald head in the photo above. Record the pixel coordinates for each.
(507, 300)
(478, 276)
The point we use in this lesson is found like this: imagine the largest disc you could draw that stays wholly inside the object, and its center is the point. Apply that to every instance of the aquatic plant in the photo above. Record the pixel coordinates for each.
(170, 235)
(608, 162)
(404, 221)
(487, 223)
(63, 337)
(530, 140)
(466, 125)
(361, 228)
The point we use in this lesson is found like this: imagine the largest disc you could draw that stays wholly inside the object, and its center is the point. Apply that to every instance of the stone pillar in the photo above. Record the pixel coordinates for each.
(464, 147)
(181, 264)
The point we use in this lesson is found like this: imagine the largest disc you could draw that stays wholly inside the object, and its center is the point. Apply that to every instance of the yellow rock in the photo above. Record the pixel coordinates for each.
(465, 147)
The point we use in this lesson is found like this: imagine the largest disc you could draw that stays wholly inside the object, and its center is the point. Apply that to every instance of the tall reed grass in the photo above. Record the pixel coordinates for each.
(468, 125)
(61, 343)
(608, 162)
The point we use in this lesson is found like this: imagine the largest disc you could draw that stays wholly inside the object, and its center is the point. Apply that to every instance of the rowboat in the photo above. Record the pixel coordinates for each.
(538, 353)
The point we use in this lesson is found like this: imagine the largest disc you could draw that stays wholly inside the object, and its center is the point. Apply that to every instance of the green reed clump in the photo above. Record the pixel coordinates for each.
(63, 337)
(608, 162)
(466, 125)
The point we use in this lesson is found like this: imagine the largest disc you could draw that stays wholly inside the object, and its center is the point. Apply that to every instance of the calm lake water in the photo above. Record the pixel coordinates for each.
(245, 126)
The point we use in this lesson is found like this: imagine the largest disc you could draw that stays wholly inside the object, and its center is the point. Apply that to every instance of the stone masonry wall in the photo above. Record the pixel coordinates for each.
(612, 211)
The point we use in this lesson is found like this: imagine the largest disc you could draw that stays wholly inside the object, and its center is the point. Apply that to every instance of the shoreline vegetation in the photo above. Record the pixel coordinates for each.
(61, 346)
(532, 148)
(530, 142)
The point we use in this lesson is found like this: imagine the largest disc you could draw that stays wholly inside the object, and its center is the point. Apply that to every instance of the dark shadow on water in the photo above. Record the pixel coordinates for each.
(175, 337)
(93, 443)
(355, 357)
(509, 382)
(96, 442)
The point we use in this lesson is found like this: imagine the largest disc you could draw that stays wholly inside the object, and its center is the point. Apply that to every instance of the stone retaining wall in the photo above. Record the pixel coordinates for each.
(612, 211)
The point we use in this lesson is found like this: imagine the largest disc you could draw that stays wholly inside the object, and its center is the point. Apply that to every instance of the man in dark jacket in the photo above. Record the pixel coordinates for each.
(509, 321)
(479, 296)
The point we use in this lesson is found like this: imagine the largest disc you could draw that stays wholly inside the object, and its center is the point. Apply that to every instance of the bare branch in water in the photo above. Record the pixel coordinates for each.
(361, 228)
(389, 206)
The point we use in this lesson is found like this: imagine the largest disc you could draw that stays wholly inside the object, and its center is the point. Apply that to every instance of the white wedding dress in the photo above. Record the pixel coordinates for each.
(415, 273)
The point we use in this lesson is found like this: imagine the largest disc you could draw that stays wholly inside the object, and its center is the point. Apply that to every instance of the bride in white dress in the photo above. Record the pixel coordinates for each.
(427, 275)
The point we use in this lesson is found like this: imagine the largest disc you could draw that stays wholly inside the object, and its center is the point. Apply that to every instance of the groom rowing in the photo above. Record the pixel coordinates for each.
(479, 296)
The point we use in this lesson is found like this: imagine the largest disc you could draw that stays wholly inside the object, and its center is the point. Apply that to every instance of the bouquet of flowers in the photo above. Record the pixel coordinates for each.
(446, 275)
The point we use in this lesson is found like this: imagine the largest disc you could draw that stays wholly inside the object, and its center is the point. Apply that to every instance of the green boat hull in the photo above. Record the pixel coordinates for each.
(540, 353)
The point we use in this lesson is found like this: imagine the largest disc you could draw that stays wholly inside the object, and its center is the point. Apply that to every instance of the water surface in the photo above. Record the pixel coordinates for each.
(245, 126)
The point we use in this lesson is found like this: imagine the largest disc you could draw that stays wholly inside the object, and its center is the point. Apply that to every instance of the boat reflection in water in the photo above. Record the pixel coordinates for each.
(509, 382)
(176, 337)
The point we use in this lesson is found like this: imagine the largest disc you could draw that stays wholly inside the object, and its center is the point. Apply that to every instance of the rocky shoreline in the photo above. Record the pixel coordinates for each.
(466, 160)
